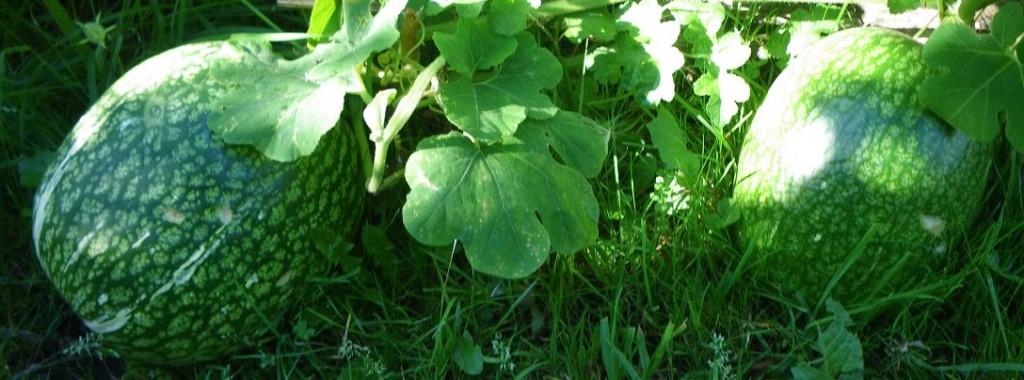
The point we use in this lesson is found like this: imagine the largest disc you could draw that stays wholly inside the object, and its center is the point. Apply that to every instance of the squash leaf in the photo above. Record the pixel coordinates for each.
(580, 142)
(490, 107)
(284, 107)
(968, 8)
(900, 6)
(509, 204)
(976, 80)
(271, 107)
(324, 21)
(361, 35)
(509, 17)
(596, 24)
(474, 47)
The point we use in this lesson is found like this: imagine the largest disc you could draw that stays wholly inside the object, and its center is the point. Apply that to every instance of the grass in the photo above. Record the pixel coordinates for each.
(658, 296)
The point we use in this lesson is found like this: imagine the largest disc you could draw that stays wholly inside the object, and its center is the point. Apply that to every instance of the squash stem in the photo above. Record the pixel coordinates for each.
(403, 111)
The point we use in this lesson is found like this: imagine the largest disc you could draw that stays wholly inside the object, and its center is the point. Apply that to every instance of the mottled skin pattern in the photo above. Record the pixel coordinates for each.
(173, 247)
(833, 153)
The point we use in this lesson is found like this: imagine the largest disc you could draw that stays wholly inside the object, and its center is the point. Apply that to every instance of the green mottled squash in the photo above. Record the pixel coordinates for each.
(171, 245)
(842, 162)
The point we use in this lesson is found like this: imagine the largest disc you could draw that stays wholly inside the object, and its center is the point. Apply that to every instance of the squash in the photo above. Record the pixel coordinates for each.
(171, 245)
(843, 162)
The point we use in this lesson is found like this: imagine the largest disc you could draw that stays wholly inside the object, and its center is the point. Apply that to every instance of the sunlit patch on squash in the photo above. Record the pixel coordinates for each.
(806, 151)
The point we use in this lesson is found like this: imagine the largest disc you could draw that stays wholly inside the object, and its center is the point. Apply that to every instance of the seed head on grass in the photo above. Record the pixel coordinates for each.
(720, 365)
(88, 345)
(502, 349)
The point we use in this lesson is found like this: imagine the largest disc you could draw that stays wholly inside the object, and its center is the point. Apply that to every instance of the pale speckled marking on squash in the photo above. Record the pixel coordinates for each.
(110, 323)
(285, 279)
(224, 214)
(138, 242)
(173, 215)
(933, 224)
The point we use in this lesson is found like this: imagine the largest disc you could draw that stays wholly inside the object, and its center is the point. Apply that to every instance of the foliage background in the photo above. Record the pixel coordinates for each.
(661, 294)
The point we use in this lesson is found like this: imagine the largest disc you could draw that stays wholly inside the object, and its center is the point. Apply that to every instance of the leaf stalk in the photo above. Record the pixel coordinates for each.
(403, 111)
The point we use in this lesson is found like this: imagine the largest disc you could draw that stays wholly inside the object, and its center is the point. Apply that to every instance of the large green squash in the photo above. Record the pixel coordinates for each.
(842, 159)
(171, 245)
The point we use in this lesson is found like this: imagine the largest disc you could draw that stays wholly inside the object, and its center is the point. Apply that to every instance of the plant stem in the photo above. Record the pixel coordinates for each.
(407, 105)
(403, 111)
(380, 154)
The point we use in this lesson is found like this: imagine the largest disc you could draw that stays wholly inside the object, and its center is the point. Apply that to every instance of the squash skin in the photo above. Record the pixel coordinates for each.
(842, 159)
(170, 245)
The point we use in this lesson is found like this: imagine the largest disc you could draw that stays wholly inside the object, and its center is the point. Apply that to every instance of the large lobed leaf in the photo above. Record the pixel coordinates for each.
(324, 21)
(362, 35)
(270, 107)
(596, 24)
(474, 47)
(509, 17)
(509, 204)
(579, 142)
(490, 108)
(284, 107)
(979, 77)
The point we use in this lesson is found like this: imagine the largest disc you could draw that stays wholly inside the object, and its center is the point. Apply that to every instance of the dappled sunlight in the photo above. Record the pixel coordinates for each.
(805, 152)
